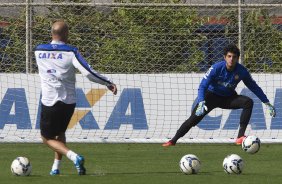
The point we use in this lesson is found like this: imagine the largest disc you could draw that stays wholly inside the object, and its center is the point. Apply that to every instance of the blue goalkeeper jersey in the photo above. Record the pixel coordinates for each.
(222, 82)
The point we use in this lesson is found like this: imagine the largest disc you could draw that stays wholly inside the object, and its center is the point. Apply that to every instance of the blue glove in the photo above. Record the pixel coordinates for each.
(201, 108)
(271, 110)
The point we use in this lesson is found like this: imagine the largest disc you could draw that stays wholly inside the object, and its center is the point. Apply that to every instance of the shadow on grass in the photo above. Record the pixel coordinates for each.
(152, 173)
(133, 173)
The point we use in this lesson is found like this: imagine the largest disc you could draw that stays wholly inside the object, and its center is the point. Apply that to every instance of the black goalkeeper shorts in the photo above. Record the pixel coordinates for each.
(54, 119)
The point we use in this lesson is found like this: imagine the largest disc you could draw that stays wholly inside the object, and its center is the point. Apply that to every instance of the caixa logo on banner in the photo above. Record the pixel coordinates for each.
(119, 116)
(130, 97)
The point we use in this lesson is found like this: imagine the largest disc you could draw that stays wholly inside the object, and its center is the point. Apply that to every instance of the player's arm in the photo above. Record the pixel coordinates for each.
(81, 64)
(253, 86)
(208, 77)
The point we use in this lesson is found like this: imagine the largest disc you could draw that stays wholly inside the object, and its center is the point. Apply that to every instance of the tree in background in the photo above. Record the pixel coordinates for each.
(146, 39)
(13, 53)
(261, 40)
(123, 40)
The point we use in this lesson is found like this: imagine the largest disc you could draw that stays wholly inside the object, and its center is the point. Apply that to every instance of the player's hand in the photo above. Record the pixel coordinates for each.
(271, 110)
(113, 88)
(201, 108)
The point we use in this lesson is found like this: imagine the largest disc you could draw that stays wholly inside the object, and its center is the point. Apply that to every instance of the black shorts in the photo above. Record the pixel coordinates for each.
(54, 119)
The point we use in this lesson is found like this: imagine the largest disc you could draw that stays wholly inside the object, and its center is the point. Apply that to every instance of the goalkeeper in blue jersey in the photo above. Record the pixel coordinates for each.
(217, 89)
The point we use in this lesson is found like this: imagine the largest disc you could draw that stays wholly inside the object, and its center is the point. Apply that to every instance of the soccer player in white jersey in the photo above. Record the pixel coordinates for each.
(57, 62)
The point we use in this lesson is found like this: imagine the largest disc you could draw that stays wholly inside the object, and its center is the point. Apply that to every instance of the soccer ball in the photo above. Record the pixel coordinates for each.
(21, 166)
(190, 164)
(251, 144)
(233, 164)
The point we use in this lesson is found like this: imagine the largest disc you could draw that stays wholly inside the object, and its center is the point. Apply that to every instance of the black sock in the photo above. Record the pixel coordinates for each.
(242, 130)
(185, 127)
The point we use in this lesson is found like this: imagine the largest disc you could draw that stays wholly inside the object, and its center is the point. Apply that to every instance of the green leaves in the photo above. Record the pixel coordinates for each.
(147, 39)
(260, 40)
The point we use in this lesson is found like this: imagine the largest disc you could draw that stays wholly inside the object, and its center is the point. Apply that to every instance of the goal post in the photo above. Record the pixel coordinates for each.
(156, 53)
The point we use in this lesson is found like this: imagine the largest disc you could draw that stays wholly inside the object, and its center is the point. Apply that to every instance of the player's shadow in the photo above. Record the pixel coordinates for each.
(132, 173)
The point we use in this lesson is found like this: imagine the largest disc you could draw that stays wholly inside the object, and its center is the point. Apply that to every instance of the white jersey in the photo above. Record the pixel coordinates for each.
(56, 65)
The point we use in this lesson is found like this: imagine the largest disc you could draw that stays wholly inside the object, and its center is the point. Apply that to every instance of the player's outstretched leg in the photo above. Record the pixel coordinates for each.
(79, 164)
(185, 127)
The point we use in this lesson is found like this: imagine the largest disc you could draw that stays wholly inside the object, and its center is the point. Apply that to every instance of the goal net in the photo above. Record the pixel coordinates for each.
(156, 52)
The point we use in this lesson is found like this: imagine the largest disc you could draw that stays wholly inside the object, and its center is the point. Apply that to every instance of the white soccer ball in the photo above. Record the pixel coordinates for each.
(21, 166)
(251, 144)
(233, 164)
(190, 164)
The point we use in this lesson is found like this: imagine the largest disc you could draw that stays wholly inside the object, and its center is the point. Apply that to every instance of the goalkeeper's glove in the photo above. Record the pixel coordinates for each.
(201, 108)
(271, 110)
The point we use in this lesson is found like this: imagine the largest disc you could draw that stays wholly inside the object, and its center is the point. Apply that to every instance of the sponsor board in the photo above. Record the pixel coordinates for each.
(148, 107)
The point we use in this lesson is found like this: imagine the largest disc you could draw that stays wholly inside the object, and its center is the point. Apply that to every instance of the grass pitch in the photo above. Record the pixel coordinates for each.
(143, 163)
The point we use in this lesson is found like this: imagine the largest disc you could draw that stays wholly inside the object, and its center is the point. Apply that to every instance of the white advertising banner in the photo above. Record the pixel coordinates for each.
(148, 108)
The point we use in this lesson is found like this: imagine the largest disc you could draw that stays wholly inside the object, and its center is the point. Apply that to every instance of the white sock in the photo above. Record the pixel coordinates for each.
(71, 155)
(56, 164)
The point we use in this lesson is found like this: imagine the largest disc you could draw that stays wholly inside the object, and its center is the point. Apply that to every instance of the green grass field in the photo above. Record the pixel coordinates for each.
(143, 163)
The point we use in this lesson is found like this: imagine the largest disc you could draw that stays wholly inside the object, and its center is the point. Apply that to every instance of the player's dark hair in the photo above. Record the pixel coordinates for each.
(231, 48)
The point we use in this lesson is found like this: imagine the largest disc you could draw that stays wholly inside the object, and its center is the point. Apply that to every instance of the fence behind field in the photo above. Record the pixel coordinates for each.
(156, 51)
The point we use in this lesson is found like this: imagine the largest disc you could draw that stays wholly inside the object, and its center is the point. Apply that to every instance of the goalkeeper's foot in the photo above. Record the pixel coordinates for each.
(239, 140)
(169, 143)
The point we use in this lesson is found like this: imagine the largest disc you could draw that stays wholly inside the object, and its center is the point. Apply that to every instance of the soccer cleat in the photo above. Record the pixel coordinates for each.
(79, 164)
(240, 140)
(54, 172)
(169, 143)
